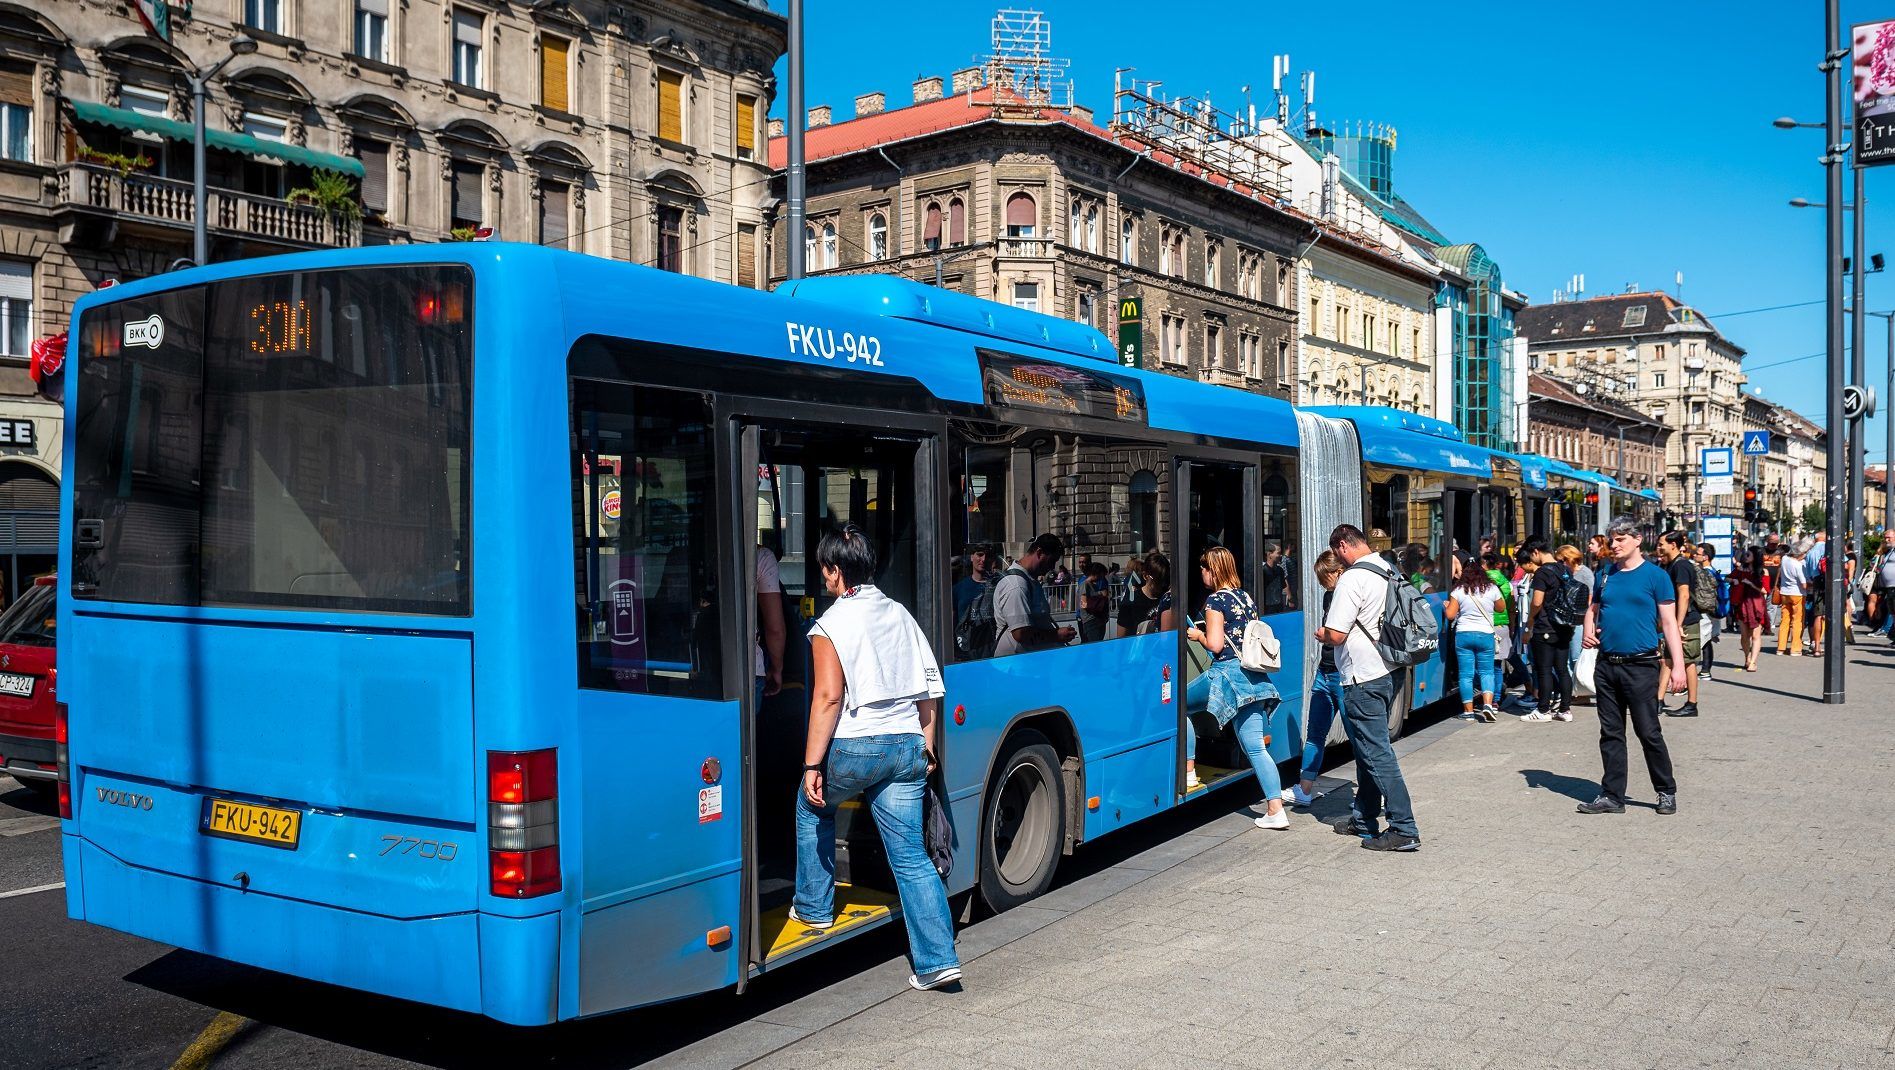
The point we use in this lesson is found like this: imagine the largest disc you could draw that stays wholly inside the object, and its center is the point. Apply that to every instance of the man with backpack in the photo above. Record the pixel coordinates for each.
(1022, 615)
(1691, 594)
(1557, 606)
(1720, 610)
(1378, 623)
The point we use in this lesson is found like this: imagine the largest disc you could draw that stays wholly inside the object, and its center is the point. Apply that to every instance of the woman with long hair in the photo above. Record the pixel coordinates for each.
(1234, 695)
(1751, 608)
(1472, 605)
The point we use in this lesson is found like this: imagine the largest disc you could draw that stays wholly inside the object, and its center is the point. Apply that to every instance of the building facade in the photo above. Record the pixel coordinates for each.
(631, 130)
(1040, 207)
(1665, 359)
(1569, 422)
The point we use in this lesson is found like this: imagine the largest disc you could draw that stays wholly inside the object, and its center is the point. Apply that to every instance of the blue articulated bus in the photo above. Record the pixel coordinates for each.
(409, 600)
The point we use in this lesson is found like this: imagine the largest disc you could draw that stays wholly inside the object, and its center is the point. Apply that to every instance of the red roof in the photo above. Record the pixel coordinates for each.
(884, 128)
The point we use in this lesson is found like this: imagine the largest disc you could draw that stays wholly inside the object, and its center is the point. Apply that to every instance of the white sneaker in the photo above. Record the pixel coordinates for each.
(1191, 780)
(1296, 796)
(1538, 717)
(806, 923)
(923, 982)
(1278, 820)
(1562, 715)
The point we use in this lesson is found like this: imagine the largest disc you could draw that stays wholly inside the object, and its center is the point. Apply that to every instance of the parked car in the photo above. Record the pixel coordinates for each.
(29, 688)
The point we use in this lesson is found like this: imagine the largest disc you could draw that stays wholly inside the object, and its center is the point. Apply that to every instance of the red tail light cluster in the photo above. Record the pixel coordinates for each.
(523, 823)
(62, 760)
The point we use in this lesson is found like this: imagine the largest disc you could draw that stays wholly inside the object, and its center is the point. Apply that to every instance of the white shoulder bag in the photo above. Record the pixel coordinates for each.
(1261, 650)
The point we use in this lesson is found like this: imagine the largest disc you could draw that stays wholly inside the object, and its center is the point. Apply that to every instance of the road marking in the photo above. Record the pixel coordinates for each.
(30, 891)
(20, 826)
(222, 1030)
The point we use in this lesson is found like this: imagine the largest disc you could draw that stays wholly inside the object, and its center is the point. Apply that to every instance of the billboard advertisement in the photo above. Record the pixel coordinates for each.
(1872, 66)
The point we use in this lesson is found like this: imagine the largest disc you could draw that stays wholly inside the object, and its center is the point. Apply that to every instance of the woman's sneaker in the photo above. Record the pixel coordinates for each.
(1538, 717)
(1296, 796)
(1191, 780)
(1278, 820)
(1488, 714)
(926, 982)
(808, 924)
(1562, 715)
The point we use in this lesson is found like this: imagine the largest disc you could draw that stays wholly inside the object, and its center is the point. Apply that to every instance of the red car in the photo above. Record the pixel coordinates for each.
(28, 688)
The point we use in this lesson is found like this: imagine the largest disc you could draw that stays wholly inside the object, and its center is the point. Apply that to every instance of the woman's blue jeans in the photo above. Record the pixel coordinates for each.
(1325, 702)
(1474, 653)
(891, 773)
(1250, 724)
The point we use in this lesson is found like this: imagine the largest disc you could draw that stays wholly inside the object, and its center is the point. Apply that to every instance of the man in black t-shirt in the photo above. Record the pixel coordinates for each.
(1549, 644)
(1675, 554)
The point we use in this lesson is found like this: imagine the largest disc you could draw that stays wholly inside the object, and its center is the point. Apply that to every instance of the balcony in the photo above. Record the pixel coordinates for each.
(166, 203)
(1027, 248)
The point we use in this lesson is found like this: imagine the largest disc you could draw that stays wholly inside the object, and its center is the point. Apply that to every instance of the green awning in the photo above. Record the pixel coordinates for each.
(138, 122)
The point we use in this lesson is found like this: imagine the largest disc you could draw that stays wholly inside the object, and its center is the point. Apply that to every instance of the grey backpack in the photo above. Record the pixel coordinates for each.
(1410, 634)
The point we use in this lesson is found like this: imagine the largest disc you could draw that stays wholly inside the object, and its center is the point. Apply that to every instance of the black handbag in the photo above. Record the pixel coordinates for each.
(937, 832)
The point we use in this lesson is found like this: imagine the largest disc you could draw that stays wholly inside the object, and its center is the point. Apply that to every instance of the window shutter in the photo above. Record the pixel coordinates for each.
(1021, 211)
(467, 192)
(555, 204)
(747, 256)
(467, 28)
(16, 85)
(931, 229)
(553, 73)
(957, 222)
(373, 7)
(671, 106)
(747, 124)
(16, 280)
(374, 157)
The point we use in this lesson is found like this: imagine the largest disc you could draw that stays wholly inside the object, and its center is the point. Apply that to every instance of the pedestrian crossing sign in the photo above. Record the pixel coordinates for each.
(1756, 443)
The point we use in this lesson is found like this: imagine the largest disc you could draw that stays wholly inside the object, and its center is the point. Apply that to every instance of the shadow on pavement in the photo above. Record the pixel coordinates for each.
(1578, 789)
(1734, 681)
(29, 801)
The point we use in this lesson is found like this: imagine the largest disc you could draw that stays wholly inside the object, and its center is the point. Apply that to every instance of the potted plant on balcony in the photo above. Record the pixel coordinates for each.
(331, 191)
(117, 161)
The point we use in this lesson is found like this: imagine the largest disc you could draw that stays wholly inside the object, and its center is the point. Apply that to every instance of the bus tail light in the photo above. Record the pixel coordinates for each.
(523, 823)
(62, 760)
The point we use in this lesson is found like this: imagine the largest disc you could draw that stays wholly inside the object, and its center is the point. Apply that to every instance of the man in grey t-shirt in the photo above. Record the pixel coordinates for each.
(1022, 615)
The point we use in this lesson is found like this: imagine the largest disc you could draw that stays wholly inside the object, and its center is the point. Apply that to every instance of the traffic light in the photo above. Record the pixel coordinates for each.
(1750, 504)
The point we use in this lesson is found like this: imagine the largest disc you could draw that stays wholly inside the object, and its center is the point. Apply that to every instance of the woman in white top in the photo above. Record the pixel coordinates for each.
(1471, 605)
(874, 715)
(1791, 578)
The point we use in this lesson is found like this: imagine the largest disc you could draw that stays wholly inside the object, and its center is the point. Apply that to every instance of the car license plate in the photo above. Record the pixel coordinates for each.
(254, 824)
(13, 683)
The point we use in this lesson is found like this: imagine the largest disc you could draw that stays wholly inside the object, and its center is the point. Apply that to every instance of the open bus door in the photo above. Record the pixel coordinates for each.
(806, 471)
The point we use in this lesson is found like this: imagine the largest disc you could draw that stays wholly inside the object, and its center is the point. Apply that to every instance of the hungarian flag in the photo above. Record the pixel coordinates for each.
(156, 15)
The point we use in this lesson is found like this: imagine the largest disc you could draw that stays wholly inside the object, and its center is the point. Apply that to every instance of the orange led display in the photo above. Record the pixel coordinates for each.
(280, 327)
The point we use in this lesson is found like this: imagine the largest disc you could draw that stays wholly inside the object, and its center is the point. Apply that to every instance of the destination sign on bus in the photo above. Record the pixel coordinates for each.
(1020, 383)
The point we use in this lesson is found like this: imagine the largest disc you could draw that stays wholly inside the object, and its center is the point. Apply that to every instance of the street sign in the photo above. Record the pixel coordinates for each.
(1716, 485)
(1756, 443)
(1857, 402)
(1132, 332)
(1716, 461)
(1720, 532)
(1874, 71)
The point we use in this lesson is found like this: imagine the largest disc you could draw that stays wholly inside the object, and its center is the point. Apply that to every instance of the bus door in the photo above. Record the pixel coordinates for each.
(1216, 502)
(806, 472)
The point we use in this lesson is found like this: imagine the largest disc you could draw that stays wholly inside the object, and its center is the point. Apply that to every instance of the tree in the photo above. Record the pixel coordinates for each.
(1815, 517)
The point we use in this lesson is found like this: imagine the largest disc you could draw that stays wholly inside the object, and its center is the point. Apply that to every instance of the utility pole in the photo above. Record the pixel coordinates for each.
(1833, 55)
(793, 177)
(1858, 373)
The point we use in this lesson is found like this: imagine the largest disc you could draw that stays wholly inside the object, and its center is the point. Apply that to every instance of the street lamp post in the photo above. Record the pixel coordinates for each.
(241, 45)
(1833, 150)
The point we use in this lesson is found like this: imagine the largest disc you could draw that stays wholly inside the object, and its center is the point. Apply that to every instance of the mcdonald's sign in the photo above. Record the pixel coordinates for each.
(1131, 332)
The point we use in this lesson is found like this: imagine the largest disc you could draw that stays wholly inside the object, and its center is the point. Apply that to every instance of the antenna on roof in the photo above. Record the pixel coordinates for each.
(1680, 283)
(1280, 69)
(1022, 61)
(1309, 100)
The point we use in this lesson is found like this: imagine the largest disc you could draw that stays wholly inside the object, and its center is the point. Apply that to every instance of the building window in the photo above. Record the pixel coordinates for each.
(1128, 241)
(1023, 216)
(746, 126)
(1172, 340)
(1315, 316)
(16, 308)
(470, 30)
(266, 15)
(1658, 379)
(266, 128)
(1164, 251)
(371, 29)
(16, 113)
(1213, 346)
(931, 227)
(1210, 264)
(374, 157)
(1026, 295)
(555, 213)
(829, 244)
(465, 198)
(1177, 254)
(671, 107)
(1282, 282)
(1092, 227)
(1086, 309)
(809, 245)
(878, 237)
(671, 238)
(1368, 332)
(957, 221)
(1283, 364)
(747, 255)
(555, 73)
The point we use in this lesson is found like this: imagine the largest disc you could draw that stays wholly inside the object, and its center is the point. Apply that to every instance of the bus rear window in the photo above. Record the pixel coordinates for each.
(297, 440)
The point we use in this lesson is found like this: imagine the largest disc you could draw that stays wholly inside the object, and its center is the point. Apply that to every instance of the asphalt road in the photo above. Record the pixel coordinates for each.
(77, 995)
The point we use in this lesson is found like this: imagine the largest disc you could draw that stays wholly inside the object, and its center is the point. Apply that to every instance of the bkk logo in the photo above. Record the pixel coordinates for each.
(148, 332)
(124, 798)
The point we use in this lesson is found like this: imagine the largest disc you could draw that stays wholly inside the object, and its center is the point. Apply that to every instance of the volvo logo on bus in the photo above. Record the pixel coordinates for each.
(124, 798)
(148, 332)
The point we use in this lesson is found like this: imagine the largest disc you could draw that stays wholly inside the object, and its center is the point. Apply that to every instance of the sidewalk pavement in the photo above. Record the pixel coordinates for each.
(1752, 929)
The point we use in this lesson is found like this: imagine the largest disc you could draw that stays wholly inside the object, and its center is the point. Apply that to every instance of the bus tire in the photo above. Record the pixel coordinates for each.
(1022, 822)
(1398, 710)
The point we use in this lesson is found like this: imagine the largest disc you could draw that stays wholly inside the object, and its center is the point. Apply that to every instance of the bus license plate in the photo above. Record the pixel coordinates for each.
(13, 683)
(254, 824)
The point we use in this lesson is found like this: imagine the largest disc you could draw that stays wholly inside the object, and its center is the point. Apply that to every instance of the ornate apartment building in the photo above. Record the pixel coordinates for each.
(1571, 422)
(1039, 207)
(632, 129)
(1663, 358)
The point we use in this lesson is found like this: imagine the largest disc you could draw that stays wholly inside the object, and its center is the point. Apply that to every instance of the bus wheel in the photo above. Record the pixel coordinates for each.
(1398, 710)
(1023, 823)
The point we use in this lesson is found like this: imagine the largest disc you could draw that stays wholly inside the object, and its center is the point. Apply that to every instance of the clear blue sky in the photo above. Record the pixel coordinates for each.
(1624, 141)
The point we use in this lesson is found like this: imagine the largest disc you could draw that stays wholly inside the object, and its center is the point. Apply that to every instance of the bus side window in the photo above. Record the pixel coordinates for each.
(1281, 581)
(644, 486)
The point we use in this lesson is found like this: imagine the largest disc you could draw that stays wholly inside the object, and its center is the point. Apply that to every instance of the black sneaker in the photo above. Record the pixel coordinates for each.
(1352, 827)
(1604, 804)
(1689, 709)
(1393, 841)
(1667, 804)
